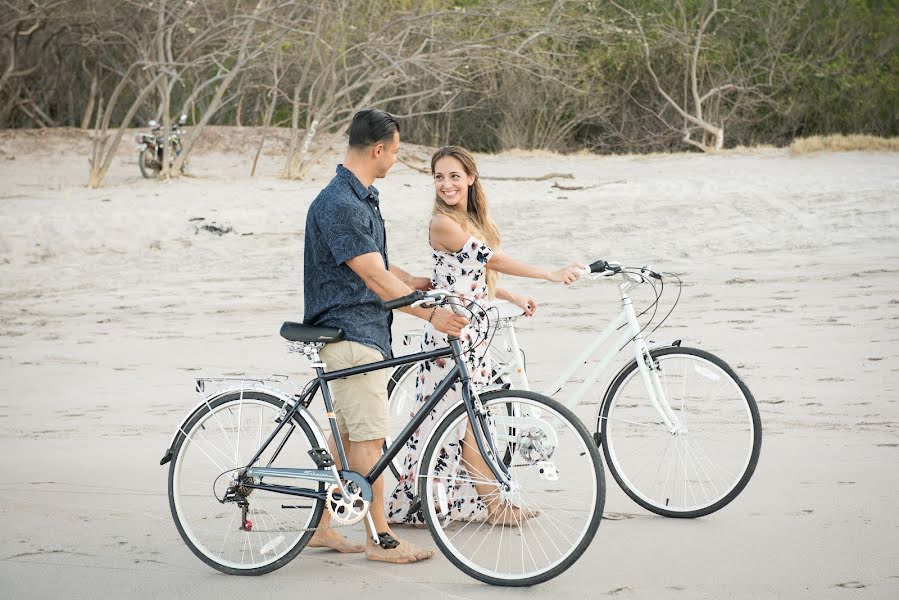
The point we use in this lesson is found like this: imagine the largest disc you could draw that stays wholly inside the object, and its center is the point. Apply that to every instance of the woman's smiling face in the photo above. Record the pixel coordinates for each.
(452, 182)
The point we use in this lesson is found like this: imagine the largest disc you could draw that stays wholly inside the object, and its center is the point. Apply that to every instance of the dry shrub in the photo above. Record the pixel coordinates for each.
(844, 143)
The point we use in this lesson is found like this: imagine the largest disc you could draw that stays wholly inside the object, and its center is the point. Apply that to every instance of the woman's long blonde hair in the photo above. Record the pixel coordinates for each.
(476, 220)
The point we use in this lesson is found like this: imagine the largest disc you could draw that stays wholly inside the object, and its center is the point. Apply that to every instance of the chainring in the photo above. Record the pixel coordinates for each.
(346, 510)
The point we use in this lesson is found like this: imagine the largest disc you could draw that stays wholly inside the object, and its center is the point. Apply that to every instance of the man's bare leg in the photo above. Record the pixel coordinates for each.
(362, 457)
(324, 536)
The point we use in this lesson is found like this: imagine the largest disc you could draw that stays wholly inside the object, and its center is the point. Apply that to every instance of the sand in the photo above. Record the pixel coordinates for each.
(112, 300)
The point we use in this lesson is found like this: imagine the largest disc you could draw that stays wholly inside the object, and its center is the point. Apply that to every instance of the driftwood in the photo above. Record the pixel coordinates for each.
(414, 168)
(541, 178)
(569, 188)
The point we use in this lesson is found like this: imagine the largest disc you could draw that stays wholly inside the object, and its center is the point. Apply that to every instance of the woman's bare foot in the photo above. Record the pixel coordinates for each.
(511, 516)
(328, 538)
(401, 554)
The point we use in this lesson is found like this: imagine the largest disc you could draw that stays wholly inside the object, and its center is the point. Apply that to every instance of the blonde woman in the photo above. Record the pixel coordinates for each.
(467, 259)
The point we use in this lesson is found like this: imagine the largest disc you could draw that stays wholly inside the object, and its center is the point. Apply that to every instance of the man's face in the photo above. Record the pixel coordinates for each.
(385, 155)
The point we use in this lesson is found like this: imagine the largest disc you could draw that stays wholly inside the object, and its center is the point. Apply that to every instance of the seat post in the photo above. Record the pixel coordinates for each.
(309, 350)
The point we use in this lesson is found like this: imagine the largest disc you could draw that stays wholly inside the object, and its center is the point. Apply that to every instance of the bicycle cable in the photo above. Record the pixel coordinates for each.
(680, 287)
(654, 305)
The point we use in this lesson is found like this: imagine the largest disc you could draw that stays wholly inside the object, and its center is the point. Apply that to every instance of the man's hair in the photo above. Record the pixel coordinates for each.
(370, 127)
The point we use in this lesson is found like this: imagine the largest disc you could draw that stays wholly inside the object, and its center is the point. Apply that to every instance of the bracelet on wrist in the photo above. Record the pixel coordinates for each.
(432, 314)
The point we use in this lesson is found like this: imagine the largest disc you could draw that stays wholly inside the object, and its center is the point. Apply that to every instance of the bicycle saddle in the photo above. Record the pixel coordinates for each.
(298, 332)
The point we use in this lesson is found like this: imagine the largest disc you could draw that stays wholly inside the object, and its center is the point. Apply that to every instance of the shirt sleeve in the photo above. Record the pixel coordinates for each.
(474, 252)
(347, 232)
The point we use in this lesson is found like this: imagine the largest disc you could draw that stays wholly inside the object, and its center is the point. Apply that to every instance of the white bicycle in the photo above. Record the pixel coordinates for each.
(679, 429)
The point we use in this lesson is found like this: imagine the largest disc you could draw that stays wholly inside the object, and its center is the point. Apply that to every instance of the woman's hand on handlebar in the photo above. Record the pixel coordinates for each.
(526, 304)
(446, 321)
(567, 274)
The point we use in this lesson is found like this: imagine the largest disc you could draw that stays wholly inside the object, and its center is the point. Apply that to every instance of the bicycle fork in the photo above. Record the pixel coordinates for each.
(649, 370)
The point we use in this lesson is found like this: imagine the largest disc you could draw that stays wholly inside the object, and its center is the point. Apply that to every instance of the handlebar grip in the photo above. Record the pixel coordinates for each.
(599, 266)
(403, 301)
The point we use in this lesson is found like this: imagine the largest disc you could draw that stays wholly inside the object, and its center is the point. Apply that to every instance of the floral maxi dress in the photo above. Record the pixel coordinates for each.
(462, 273)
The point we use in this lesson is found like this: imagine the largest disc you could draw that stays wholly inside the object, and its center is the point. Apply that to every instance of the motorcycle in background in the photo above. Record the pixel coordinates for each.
(150, 146)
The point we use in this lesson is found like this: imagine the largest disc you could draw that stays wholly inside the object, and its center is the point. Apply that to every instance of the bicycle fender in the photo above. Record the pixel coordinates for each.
(302, 413)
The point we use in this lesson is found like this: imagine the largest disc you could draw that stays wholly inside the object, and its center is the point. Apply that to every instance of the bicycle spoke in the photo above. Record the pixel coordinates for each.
(542, 533)
(711, 450)
(207, 525)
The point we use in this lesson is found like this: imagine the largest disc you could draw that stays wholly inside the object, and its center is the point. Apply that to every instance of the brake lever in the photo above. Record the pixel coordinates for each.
(647, 270)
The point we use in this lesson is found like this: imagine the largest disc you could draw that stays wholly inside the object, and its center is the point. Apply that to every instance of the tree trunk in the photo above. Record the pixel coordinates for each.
(304, 163)
(86, 120)
(287, 172)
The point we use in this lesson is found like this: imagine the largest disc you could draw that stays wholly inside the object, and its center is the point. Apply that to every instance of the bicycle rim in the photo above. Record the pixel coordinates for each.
(702, 466)
(215, 443)
(402, 393)
(401, 401)
(557, 480)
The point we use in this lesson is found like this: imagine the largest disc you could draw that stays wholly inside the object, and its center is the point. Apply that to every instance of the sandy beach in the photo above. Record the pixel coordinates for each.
(113, 300)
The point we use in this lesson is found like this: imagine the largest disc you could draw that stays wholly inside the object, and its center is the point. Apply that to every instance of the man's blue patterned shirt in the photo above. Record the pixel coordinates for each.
(343, 222)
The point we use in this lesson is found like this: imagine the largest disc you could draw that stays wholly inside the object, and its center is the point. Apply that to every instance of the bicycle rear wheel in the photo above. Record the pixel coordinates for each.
(707, 462)
(540, 526)
(401, 403)
(219, 439)
(401, 400)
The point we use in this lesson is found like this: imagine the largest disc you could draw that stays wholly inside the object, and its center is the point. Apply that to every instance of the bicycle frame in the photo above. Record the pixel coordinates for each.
(459, 372)
(630, 332)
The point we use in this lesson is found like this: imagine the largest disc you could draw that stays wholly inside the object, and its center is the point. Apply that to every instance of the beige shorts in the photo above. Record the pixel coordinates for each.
(360, 401)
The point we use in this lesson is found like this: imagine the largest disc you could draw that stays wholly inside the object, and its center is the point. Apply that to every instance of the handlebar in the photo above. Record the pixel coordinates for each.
(440, 297)
(603, 267)
(403, 301)
(608, 268)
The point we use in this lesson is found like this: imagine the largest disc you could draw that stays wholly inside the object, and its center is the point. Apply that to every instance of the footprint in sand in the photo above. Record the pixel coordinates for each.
(850, 585)
(613, 516)
(617, 590)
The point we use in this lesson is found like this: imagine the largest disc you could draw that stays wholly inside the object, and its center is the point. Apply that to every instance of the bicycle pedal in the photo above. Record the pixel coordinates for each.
(321, 457)
(387, 541)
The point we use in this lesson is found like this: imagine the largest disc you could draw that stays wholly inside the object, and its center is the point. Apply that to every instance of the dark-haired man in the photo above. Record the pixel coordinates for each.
(346, 275)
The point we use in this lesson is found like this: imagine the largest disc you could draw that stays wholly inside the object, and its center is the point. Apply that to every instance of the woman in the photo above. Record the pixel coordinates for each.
(465, 244)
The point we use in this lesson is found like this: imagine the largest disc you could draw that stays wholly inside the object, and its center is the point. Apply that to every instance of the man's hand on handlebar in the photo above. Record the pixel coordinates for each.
(446, 321)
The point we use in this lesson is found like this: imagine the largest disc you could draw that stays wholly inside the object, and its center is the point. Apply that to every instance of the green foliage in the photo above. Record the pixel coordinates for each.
(561, 75)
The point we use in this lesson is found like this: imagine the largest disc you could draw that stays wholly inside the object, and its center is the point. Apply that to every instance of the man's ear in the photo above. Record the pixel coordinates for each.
(376, 150)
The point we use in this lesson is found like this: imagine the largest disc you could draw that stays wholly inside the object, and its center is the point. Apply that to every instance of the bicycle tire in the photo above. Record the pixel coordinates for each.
(397, 378)
(146, 161)
(573, 447)
(398, 383)
(263, 518)
(626, 421)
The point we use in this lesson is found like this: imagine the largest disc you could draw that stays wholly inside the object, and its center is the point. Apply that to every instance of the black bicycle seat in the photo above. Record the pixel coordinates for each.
(298, 332)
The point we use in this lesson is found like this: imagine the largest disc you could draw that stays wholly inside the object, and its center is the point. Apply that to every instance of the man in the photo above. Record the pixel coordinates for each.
(346, 275)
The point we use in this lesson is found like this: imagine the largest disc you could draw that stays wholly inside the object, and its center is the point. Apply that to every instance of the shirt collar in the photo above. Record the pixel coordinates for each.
(370, 192)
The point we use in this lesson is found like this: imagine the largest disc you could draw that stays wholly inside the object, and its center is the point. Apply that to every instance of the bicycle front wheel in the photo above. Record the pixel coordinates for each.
(146, 161)
(217, 441)
(532, 530)
(706, 460)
